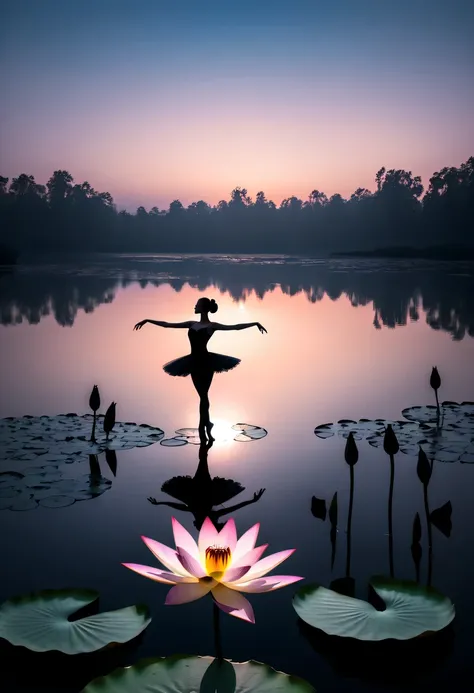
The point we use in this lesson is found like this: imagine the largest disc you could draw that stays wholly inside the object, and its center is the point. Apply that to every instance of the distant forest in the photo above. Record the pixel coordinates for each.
(64, 216)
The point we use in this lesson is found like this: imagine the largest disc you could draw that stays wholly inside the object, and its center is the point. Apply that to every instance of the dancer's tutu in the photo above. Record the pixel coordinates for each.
(215, 363)
(187, 490)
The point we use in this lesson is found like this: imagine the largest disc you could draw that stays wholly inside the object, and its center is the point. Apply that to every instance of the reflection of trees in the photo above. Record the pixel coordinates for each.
(398, 290)
(33, 296)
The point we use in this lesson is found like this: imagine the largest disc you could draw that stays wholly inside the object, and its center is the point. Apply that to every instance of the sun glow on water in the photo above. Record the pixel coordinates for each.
(223, 432)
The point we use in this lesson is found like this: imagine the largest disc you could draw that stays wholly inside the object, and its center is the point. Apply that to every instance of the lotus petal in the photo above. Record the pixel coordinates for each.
(157, 574)
(183, 539)
(233, 603)
(266, 564)
(265, 584)
(228, 535)
(246, 542)
(168, 557)
(207, 536)
(234, 574)
(190, 564)
(250, 558)
(182, 594)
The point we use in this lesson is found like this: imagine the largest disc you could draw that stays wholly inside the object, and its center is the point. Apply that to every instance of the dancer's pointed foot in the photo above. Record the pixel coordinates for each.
(209, 428)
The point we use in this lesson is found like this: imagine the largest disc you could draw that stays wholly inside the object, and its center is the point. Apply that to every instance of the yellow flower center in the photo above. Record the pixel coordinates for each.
(217, 559)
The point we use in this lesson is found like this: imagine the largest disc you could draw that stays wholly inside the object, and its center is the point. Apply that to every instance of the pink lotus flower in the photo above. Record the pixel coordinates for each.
(219, 564)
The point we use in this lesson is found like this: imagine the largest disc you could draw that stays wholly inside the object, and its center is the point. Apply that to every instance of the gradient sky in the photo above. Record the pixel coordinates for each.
(155, 100)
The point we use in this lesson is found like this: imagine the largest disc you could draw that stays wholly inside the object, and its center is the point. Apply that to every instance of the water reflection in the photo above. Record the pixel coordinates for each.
(199, 494)
(399, 290)
(53, 485)
(386, 662)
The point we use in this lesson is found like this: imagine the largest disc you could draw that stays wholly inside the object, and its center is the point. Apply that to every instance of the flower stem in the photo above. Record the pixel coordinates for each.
(390, 515)
(217, 632)
(430, 536)
(93, 429)
(349, 524)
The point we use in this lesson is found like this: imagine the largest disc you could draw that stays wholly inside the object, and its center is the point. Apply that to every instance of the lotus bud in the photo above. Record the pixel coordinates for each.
(423, 468)
(435, 380)
(351, 454)
(109, 419)
(390, 442)
(111, 459)
(94, 399)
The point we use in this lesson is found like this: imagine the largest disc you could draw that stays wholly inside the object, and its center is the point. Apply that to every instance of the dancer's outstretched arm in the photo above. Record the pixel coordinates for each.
(239, 326)
(175, 506)
(224, 511)
(162, 323)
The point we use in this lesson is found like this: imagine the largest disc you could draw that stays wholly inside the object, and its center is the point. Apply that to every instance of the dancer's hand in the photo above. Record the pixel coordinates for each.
(140, 324)
(153, 501)
(258, 494)
(261, 328)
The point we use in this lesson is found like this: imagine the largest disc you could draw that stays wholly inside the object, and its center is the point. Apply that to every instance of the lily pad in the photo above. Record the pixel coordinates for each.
(188, 674)
(49, 489)
(21, 502)
(56, 501)
(40, 622)
(8, 479)
(65, 436)
(249, 432)
(184, 436)
(411, 610)
(173, 442)
(451, 439)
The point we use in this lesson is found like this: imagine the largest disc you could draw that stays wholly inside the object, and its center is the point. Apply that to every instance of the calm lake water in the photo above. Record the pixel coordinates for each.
(346, 339)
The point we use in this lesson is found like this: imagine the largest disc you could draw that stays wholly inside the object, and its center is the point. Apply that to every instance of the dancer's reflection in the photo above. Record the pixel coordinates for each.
(201, 364)
(200, 493)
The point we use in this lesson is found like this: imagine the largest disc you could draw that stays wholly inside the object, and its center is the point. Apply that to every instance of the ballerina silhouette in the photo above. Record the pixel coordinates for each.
(201, 364)
(200, 493)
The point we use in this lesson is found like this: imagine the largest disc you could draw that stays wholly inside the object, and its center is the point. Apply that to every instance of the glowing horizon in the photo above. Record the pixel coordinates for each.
(188, 103)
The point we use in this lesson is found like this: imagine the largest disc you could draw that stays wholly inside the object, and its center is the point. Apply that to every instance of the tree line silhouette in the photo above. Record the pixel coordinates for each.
(404, 294)
(67, 216)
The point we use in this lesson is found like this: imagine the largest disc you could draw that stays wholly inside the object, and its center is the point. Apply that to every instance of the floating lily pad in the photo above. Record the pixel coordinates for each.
(65, 436)
(8, 479)
(411, 610)
(49, 489)
(188, 674)
(42, 469)
(450, 441)
(40, 622)
(20, 502)
(452, 414)
(187, 432)
(249, 432)
(9, 492)
(56, 501)
(184, 436)
(173, 442)
(89, 486)
(360, 429)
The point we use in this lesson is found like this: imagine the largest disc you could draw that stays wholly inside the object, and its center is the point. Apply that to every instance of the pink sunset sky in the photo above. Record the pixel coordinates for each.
(153, 104)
